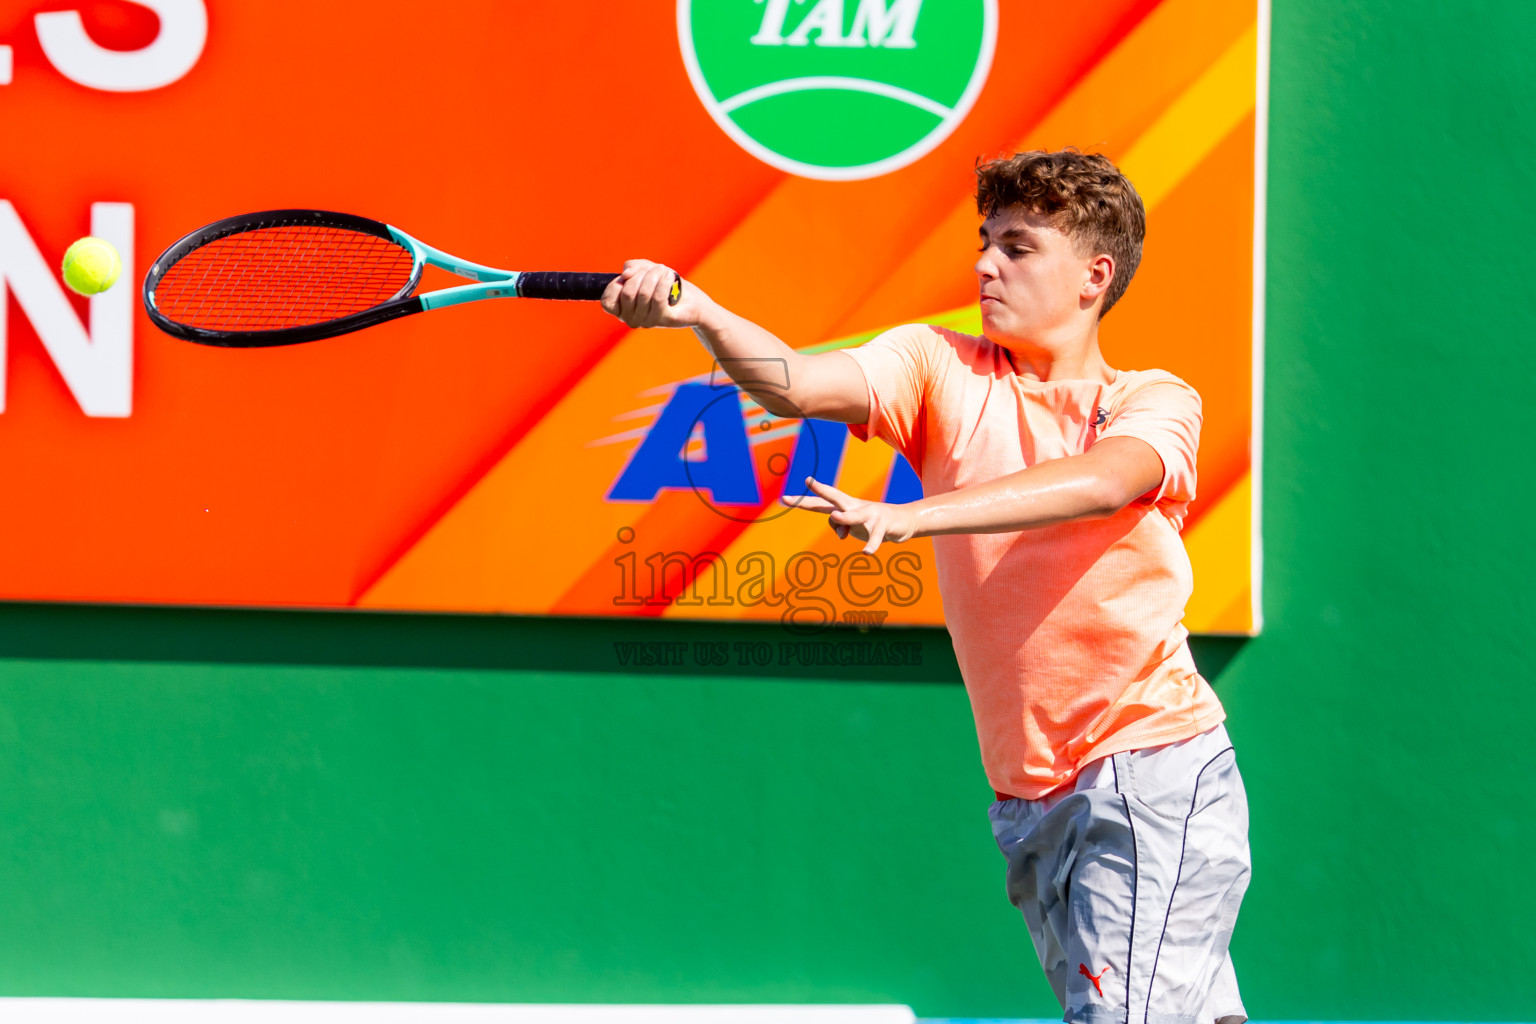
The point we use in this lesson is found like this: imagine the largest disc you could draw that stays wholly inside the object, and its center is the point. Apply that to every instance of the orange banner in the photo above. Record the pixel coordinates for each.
(808, 163)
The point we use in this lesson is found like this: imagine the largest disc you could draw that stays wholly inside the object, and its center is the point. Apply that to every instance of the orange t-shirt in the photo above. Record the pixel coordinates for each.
(1069, 637)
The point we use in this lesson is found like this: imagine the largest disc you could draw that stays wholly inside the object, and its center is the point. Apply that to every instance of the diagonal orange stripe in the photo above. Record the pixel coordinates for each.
(1219, 549)
(1190, 308)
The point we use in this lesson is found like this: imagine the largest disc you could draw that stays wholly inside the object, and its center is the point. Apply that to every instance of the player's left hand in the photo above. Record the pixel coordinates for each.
(873, 522)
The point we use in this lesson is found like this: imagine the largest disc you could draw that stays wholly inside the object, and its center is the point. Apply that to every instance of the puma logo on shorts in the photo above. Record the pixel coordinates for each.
(1085, 972)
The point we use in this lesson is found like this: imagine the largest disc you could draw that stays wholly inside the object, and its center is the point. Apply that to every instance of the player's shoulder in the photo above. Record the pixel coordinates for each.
(937, 342)
(1153, 385)
(926, 334)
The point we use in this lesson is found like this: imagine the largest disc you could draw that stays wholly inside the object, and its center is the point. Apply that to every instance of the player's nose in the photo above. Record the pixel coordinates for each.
(985, 268)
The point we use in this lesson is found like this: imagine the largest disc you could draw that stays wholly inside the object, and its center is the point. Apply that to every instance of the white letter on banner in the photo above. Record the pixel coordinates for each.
(97, 367)
(891, 27)
(771, 31)
(183, 31)
(825, 19)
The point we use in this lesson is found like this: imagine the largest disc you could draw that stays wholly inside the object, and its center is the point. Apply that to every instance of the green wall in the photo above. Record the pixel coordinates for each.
(1383, 714)
(370, 807)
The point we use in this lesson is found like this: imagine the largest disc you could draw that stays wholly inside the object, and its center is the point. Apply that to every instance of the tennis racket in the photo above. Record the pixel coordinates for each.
(289, 276)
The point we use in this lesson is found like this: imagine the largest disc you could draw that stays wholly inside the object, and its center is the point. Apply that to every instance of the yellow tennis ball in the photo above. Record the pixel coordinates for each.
(91, 266)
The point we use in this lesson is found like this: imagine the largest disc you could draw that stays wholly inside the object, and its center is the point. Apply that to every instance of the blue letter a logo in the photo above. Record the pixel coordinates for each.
(726, 469)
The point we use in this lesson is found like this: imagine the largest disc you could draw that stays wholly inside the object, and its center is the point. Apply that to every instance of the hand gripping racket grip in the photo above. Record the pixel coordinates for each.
(559, 284)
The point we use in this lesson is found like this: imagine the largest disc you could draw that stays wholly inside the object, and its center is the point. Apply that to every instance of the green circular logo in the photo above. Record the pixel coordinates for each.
(838, 89)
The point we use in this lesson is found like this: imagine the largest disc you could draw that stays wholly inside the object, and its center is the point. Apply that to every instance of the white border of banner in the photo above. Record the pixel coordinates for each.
(1260, 201)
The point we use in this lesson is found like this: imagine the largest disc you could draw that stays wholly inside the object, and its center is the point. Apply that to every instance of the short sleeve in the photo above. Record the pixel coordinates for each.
(898, 367)
(1166, 415)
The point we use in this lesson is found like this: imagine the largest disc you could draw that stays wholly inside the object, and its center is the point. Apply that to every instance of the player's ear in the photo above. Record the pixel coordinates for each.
(1100, 273)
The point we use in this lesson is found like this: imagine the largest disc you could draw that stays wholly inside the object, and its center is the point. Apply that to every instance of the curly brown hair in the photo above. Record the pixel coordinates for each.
(1083, 194)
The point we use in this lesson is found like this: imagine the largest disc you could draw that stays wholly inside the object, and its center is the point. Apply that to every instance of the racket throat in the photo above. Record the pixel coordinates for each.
(503, 289)
(491, 282)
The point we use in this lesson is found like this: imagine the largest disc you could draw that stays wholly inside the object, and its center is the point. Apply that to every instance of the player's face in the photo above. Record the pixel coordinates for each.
(1034, 283)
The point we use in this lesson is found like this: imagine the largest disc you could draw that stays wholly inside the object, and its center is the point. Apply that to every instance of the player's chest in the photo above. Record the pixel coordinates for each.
(996, 427)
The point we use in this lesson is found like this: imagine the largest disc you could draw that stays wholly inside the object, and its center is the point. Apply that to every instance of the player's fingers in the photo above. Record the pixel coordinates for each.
(624, 300)
(629, 299)
(830, 493)
(610, 299)
(661, 289)
(841, 531)
(653, 295)
(876, 535)
(639, 287)
(633, 267)
(807, 503)
(669, 313)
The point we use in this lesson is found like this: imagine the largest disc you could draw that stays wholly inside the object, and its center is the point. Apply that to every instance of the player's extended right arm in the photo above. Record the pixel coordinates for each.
(826, 385)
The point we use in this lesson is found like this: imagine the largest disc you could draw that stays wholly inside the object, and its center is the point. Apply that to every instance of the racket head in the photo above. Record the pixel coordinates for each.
(282, 277)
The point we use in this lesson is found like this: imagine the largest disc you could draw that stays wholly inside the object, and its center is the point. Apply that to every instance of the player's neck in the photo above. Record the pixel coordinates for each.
(1074, 357)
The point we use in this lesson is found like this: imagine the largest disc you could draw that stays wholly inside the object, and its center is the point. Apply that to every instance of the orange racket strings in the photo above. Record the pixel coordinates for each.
(278, 277)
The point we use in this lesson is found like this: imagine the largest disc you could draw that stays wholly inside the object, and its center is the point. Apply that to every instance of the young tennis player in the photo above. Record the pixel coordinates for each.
(1055, 487)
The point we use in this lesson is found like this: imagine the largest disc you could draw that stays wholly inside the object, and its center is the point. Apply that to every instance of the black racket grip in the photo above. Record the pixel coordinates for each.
(562, 284)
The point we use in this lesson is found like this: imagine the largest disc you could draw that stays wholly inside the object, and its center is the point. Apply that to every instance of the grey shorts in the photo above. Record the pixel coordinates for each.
(1130, 882)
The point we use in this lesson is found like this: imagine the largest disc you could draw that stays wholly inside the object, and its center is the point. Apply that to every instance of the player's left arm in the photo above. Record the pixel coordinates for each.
(1094, 485)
